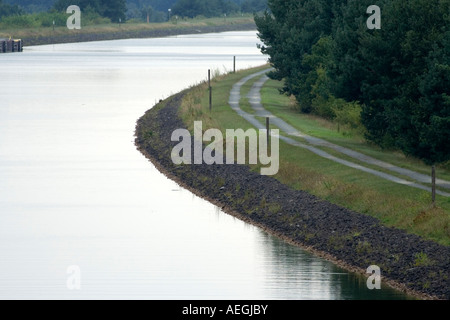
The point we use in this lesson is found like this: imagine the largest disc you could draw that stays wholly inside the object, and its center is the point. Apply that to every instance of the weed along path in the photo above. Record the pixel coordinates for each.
(254, 98)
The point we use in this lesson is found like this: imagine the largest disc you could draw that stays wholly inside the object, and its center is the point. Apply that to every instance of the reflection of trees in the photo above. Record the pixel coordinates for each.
(293, 273)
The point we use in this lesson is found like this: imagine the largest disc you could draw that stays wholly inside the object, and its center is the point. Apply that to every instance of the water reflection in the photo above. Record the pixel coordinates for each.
(297, 274)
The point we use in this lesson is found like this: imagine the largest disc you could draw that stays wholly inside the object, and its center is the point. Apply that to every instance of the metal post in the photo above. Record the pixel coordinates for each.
(234, 64)
(433, 184)
(268, 130)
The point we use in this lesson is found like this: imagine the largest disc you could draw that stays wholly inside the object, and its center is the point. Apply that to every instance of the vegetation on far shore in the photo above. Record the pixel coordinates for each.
(24, 18)
(125, 28)
(107, 20)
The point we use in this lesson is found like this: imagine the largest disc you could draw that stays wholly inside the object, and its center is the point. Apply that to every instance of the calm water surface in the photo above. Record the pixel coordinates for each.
(74, 191)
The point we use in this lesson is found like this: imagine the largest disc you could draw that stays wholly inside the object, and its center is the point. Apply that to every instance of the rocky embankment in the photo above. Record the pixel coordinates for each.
(353, 240)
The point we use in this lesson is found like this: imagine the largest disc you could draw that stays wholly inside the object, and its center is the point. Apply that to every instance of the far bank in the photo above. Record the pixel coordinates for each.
(45, 36)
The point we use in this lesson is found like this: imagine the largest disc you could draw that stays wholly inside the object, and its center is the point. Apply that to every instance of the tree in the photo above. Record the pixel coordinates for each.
(207, 8)
(62, 5)
(147, 12)
(157, 5)
(289, 31)
(254, 5)
(31, 6)
(400, 73)
(363, 60)
(397, 76)
(432, 117)
(9, 10)
(112, 9)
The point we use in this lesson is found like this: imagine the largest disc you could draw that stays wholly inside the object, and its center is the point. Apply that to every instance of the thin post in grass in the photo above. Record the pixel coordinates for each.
(433, 185)
(268, 130)
(234, 64)
(210, 89)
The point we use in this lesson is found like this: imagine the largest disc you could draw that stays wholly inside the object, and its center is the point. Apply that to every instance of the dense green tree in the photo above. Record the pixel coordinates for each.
(112, 9)
(156, 10)
(317, 84)
(289, 31)
(389, 66)
(9, 10)
(32, 6)
(362, 64)
(382, 68)
(254, 6)
(431, 117)
(62, 5)
(398, 77)
(207, 8)
(157, 5)
(164, 5)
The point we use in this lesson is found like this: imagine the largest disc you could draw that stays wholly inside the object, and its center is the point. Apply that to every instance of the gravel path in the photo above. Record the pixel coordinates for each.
(254, 97)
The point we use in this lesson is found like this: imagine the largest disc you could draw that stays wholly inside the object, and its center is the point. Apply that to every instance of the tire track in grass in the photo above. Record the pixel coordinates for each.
(254, 97)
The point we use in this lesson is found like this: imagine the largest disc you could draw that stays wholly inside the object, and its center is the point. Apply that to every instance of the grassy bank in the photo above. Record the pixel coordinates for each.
(393, 204)
(110, 31)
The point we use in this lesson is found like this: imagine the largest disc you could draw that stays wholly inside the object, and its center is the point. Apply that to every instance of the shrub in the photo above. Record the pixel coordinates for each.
(346, 113)
(422, 260)
(46, 19)
(20, 21)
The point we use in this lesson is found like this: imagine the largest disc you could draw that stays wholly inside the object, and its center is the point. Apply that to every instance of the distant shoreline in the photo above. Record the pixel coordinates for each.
(165, 31)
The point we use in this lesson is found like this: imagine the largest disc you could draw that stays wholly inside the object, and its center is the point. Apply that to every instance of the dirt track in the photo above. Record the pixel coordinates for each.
(415, 179)
(354, 241)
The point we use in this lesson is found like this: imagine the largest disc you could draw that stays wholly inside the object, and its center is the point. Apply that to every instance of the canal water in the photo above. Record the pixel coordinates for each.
(83, 215)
